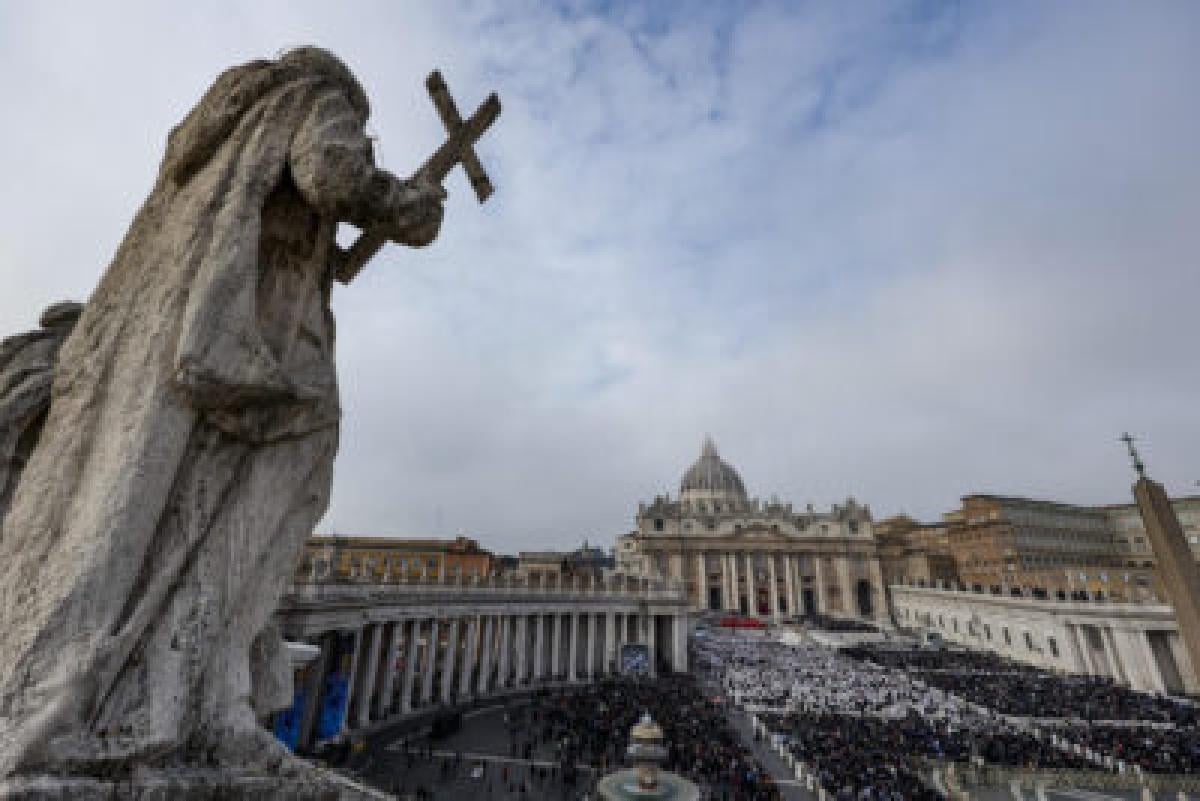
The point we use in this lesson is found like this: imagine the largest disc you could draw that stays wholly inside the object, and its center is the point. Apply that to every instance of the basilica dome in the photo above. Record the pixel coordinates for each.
(711, 477)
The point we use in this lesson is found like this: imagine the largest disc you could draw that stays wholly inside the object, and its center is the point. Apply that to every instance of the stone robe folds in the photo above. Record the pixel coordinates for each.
(189, 446)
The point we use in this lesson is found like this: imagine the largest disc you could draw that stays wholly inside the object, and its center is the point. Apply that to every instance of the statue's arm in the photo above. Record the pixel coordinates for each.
(332, 165)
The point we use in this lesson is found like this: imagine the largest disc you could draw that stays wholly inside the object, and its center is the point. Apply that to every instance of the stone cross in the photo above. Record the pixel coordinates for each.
(459, 148)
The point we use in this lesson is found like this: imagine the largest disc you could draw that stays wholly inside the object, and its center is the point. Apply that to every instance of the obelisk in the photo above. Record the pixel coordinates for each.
(1176, 565)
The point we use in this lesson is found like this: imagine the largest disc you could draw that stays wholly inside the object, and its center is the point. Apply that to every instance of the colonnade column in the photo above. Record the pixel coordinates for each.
(448, 660)
(350, 687)
(521, 651)
(485, 657)
(370, 668)
(506, 624)
(383, 701)
(1119, 673)
(773, 578)
(410, 664)
(431, 648)
(701, 581)
(751, 588)
(314, 682)
(470, 651)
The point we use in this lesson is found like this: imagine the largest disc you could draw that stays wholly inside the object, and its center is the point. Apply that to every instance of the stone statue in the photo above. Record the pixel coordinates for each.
(189, 444)
(26, 368)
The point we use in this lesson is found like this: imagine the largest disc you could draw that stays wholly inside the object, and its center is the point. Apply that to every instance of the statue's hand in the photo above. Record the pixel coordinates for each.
(418, 212)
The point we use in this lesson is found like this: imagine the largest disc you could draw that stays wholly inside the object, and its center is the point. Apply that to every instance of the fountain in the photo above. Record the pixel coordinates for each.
(643, 780)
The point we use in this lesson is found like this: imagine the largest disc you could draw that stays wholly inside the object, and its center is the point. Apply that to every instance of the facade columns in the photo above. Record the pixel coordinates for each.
(701, 581)
(727, 592)
(610, 643)
(448, 660)
(789, 584)
(652, 647)
(590, 672)
(679, 657)
(736, 604)
(539, 647)
(431, 648)
(555, 645)
(572, 645)
(822, 587)
(880, 609)
(410, 664)
(843, 572)
(751, 586)
(773, 578)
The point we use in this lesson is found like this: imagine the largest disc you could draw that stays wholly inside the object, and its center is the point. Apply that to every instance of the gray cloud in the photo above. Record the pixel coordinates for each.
(900, 253)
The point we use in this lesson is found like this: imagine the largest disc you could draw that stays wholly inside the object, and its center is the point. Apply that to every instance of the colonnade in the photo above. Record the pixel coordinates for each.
(383, 661)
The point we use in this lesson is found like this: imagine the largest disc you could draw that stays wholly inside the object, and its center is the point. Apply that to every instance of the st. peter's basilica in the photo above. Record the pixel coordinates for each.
(742, 554)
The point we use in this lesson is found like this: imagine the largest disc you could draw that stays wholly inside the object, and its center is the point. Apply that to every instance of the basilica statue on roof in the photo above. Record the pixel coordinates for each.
(741, 554)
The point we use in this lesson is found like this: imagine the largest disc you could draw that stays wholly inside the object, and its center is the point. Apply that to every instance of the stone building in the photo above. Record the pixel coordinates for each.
(387, 560)
(1010, 546)
(737, 553)
(917, 553)
(586, 560)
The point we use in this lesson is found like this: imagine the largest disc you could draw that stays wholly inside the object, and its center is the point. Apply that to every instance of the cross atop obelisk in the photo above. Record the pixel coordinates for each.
(1133, 454)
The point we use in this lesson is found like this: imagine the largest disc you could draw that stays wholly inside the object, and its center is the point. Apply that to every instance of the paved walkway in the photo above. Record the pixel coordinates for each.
(783, 775)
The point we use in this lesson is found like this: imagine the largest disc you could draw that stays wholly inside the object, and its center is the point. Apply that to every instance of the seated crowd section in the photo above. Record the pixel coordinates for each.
(864, 719)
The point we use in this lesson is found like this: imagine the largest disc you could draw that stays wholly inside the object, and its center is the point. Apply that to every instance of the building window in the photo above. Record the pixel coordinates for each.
(987, 632)
(1053, 647)
(1028, 641)
(658, 524)
(1007, 637)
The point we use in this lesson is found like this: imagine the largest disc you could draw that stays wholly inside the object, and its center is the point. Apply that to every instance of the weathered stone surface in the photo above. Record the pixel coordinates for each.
(191, 786)
(189, 443)
(26, 371)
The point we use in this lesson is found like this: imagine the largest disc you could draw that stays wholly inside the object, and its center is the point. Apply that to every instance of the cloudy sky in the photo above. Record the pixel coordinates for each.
(900, 251)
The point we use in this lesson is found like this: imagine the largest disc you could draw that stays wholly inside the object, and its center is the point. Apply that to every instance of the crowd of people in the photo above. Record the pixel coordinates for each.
(1021, 690)
(592, 724)
(766, 676)
(864, 726)
(1165, 749)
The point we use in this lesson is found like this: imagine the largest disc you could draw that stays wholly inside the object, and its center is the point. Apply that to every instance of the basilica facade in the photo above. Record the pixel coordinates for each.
(740, 554)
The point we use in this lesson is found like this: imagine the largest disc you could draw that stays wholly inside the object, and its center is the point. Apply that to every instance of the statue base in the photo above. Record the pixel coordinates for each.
(190, 785)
